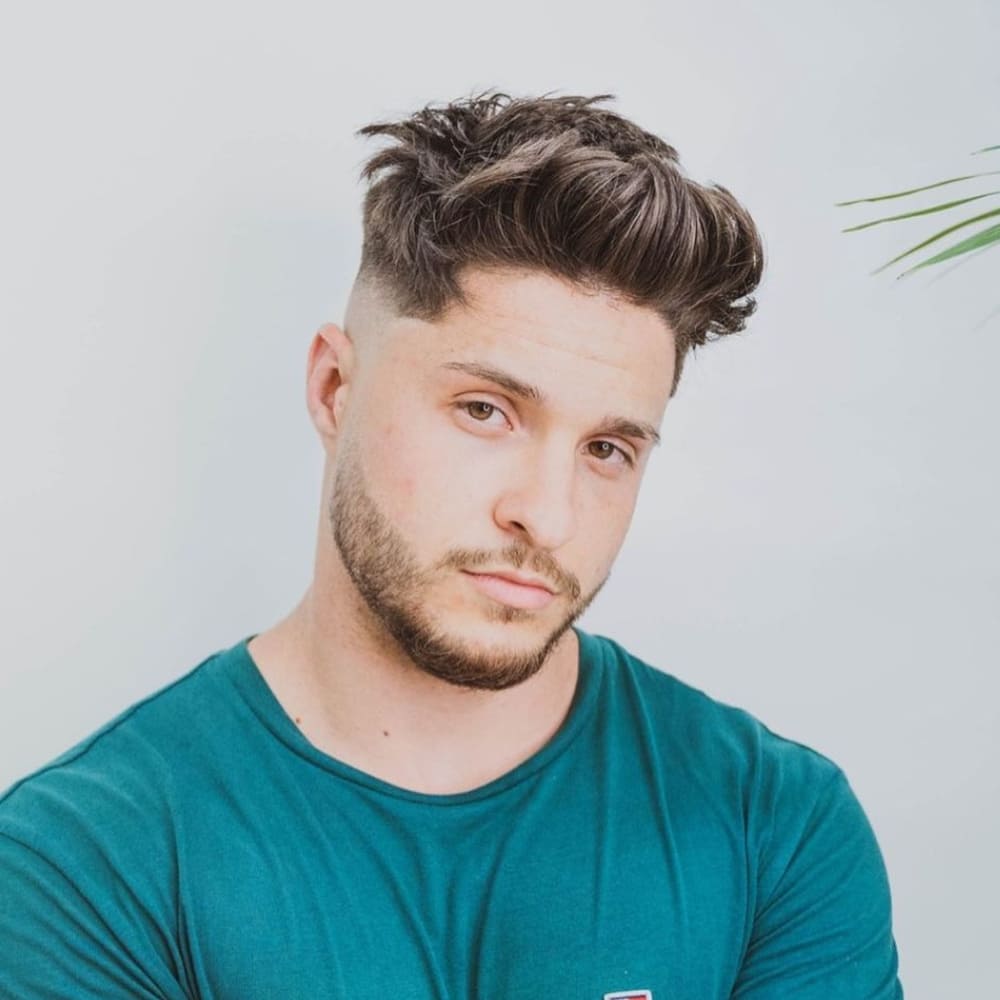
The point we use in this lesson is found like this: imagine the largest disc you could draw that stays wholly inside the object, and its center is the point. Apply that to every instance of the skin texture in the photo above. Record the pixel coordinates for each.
(393, 661)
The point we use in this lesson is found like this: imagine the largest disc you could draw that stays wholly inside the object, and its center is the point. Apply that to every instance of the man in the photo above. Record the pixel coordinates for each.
(425, 781)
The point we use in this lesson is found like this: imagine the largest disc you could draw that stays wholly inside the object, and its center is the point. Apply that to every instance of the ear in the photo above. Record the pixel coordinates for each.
(328, 379)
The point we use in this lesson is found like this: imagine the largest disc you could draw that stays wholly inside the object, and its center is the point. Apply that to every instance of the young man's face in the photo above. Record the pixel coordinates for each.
(441, 471)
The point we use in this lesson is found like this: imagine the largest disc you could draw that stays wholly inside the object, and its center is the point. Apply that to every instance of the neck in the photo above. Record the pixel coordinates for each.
(356, 697)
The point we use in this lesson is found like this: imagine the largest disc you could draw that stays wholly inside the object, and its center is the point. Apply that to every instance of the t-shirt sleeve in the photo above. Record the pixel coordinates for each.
(58, 944)
(822, 927)
(86, 908)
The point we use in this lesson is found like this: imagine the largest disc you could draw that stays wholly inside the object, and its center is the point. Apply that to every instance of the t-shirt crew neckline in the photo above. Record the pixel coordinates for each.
(242, 671)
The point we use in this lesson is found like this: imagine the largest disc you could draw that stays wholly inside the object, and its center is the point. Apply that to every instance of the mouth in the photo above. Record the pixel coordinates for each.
(516, 595)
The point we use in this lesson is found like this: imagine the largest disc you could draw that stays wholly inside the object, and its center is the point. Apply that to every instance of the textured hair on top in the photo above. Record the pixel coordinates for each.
(558, 185)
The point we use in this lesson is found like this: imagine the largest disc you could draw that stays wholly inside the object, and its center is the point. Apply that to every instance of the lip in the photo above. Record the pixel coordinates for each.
(509, 591)
(521, 579)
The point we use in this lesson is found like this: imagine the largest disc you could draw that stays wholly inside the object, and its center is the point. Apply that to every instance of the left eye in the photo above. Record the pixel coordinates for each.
(621, 451)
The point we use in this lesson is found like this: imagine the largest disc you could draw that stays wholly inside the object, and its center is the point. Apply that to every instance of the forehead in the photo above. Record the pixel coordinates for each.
(548, 331)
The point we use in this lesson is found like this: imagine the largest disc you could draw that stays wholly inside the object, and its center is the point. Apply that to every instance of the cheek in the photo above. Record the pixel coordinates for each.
(412, 470)
(606, 520)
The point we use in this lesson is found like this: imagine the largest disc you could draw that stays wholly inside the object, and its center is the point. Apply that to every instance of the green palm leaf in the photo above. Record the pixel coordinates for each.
(919, 211)
(926, 187)
(984, 238)
(935, 237)
(979, 241)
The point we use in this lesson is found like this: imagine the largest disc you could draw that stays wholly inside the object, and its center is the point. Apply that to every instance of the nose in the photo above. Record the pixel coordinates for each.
(538, 501)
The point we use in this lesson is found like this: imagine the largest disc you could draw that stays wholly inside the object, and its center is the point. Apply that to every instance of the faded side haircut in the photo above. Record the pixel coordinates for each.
(558, 185)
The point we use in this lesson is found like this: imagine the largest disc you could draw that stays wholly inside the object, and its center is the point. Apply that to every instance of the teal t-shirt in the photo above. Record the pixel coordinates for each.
(198, 846)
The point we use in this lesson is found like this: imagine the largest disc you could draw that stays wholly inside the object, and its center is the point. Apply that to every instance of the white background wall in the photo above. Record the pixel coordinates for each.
(816, 540)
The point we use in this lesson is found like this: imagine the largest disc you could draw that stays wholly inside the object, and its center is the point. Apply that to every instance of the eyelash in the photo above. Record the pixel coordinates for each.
(466, 403)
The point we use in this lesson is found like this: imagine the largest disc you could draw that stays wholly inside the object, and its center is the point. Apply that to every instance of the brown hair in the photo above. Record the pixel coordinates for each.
(555, 184)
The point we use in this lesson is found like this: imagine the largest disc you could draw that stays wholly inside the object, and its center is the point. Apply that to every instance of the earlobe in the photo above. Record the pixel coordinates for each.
(331, 356)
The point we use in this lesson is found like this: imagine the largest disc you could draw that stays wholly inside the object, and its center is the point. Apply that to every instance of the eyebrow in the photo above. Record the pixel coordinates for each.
(611, 424)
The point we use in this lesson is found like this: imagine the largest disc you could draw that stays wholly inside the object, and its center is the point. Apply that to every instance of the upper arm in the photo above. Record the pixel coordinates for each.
(822, 929)
(58, 942)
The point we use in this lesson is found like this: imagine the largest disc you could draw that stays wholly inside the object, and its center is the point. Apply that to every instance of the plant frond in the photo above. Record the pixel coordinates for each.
(926, 187)
(919, 211)
(985, 237)
(937, 236)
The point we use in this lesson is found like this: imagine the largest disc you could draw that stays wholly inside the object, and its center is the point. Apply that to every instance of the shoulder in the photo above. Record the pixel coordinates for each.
(698, 731)
(819, 893)
(89, 854)
(121, 773)
(777, 797)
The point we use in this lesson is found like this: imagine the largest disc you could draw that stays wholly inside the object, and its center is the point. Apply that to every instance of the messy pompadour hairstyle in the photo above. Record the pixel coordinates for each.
(559, 185)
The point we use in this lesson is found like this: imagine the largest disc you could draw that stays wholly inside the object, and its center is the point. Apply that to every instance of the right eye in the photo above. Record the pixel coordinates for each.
(475, 408)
